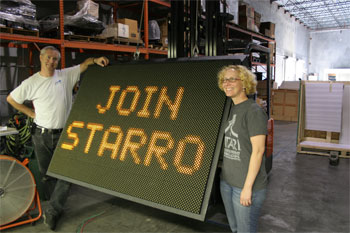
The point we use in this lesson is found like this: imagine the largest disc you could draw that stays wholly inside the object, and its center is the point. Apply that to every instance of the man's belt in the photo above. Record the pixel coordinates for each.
(46, 130)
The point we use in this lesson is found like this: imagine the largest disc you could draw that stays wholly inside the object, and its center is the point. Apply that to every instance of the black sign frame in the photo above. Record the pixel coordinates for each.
(215, 157)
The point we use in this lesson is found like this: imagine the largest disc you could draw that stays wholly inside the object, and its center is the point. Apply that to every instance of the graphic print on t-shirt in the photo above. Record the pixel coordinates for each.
(58, 82)
(232, 146)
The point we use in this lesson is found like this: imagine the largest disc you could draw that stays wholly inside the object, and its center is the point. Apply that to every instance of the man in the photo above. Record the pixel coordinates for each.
(51, 93)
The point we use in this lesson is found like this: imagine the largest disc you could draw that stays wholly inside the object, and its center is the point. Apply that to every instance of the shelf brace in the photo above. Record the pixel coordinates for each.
(36, 46)
(137, 52)
(195, 50)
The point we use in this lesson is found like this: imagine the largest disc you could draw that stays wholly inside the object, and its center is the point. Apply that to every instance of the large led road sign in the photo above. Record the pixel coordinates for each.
(147, 132)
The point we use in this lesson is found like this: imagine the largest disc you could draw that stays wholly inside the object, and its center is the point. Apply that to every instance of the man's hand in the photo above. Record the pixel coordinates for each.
(101, 61)
(21, 107)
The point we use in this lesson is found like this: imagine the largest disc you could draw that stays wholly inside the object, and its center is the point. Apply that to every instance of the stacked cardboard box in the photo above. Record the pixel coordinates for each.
(246, 22)
(284, 101)
(116, 30)
(257, 18)
(246, 17)
(272, 52)
(123, 30)
(285, 104)
(163, 26)
(268, 29)
(132, 24)
(246, 10)
(262, 88)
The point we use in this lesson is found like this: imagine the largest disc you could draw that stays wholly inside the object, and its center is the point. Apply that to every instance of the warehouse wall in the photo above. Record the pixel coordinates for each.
(292, 37)
(329, 50)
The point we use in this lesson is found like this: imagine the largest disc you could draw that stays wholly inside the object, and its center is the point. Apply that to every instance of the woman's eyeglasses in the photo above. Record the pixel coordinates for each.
(230, 80)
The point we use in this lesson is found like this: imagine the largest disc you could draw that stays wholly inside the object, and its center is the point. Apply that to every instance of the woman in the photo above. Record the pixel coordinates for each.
(243, 178)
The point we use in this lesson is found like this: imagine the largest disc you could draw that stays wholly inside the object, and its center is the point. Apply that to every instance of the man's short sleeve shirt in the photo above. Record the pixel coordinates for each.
(52, 96)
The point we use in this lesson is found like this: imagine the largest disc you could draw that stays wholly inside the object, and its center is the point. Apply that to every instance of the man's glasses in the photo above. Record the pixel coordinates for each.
(230, 80)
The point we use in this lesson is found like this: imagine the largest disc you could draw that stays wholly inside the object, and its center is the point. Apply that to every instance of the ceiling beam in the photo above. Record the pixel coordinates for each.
(318, 13)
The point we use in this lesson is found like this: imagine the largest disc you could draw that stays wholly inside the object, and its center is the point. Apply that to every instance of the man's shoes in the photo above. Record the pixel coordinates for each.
(50, 220)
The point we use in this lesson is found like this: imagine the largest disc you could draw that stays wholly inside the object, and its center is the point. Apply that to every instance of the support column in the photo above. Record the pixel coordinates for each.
(176, 30)
(63, 57)
(145, 19)
(212, 13)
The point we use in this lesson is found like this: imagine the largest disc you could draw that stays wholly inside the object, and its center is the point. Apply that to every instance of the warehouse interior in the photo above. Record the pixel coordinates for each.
(296, 48)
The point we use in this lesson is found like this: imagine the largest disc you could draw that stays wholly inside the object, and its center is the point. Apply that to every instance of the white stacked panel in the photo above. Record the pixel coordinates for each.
(345, 127)
(323, 106)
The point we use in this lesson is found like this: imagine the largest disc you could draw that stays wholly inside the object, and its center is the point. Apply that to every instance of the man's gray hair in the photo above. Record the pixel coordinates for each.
(43, 51)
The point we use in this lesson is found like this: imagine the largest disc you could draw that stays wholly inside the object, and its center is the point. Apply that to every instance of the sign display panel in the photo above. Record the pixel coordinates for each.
(146, 132)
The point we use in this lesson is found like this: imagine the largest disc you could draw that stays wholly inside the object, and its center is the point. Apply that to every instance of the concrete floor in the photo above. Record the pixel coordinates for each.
(305, 194)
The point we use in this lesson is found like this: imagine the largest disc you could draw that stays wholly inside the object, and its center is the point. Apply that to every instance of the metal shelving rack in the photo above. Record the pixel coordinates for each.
(30, 42)
(234, 31)
(252, 35)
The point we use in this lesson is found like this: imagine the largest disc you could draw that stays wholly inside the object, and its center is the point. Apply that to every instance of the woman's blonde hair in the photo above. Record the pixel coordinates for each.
(247, 77)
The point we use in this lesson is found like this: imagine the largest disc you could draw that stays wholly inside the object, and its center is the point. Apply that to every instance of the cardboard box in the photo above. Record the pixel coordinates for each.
(163, 26)
(119, 30)
(268, 29)
(266, 32)
(136, 38)
(285, 104)
(132, 24)
(123, 30)
(272, 52)
(257, 18)
(134, 35)
(246, 10)
(268, 25)
(261, 88)
(246, 22)
(164, 41)
(89, 7)
(290, 85)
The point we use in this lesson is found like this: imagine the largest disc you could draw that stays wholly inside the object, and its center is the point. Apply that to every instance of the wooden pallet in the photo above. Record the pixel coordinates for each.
(5, 30)
(322, 143)
(19, 31)
(323, 148)
(319, 142)
(85, 38)
(98, 39)
(124, 41)
(158, 47)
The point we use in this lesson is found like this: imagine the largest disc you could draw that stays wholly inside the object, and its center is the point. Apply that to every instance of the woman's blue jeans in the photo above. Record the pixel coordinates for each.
(56, 191)
(241, 218)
